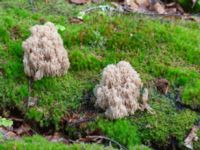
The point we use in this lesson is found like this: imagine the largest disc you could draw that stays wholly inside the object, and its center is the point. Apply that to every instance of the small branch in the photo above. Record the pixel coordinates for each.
(108, 139)
(16, 119)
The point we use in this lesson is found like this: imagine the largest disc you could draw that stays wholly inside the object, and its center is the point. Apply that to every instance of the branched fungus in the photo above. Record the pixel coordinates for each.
(119, 91)
(44, 53)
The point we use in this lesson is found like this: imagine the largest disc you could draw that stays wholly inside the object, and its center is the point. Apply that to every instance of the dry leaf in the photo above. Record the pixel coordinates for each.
(162, 85)
(24, 128)
(159, 8)
(75, 20)
(57, 137)
(192, 136)
(79, 2)
(142, 3)
(174, 8)
(10, 135)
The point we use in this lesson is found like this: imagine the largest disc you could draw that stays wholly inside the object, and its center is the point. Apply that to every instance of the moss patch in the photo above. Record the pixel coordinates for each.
(155, 48)
(37, 142)
(122, 131)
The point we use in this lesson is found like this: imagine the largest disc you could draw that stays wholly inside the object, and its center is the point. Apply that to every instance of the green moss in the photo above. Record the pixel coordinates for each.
(82, 61)
(39, 143)
(155, 48)
(122, 131)
(165, 124)
(191, 94)
(140, 147)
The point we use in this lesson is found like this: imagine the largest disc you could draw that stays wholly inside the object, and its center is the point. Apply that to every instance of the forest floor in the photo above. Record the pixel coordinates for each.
(62, 108)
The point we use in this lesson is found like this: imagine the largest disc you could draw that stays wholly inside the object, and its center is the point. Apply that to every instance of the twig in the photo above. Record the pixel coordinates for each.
(108, 139)
(16, 119)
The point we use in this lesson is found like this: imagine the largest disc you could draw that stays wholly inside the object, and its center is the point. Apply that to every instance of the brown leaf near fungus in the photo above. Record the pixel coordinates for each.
(15, 32)
(42, 20)
(162, 85)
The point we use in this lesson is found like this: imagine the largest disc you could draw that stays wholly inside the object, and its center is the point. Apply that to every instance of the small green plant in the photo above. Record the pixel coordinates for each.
(5, 122)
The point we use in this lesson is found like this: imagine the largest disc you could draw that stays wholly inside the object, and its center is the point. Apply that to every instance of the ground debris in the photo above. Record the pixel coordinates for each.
(99, 139)
(153, 6)
(8, 133)
(76, 119)
(192, 137)
(15, 32)
(162, 85)
(74, 20)
(57, 137)
(79, 2)
(144, 105)
(23, 129)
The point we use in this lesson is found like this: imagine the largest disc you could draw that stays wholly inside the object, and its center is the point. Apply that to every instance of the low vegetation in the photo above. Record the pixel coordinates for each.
(38, 142)
(154, 47)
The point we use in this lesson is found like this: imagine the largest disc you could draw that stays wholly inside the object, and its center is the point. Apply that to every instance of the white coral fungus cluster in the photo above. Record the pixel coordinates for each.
(119, 91)
(44, 53)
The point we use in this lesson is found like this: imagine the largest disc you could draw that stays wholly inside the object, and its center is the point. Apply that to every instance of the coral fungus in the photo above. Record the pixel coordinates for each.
(119, 91)
(44, 53)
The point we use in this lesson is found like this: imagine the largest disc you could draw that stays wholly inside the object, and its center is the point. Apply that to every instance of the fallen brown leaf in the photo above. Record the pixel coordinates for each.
(142, 3)
(79, 2)
(75, 20)
(159, 8)
(131, 4)
(23, 129)
(192, 136)
(57, 137)
(162, 85)
(10, 135)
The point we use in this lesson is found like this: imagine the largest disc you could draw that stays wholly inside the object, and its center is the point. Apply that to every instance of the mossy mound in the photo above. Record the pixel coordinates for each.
(121, 130)
(167, 127)
(40, 143)
(154, 47)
